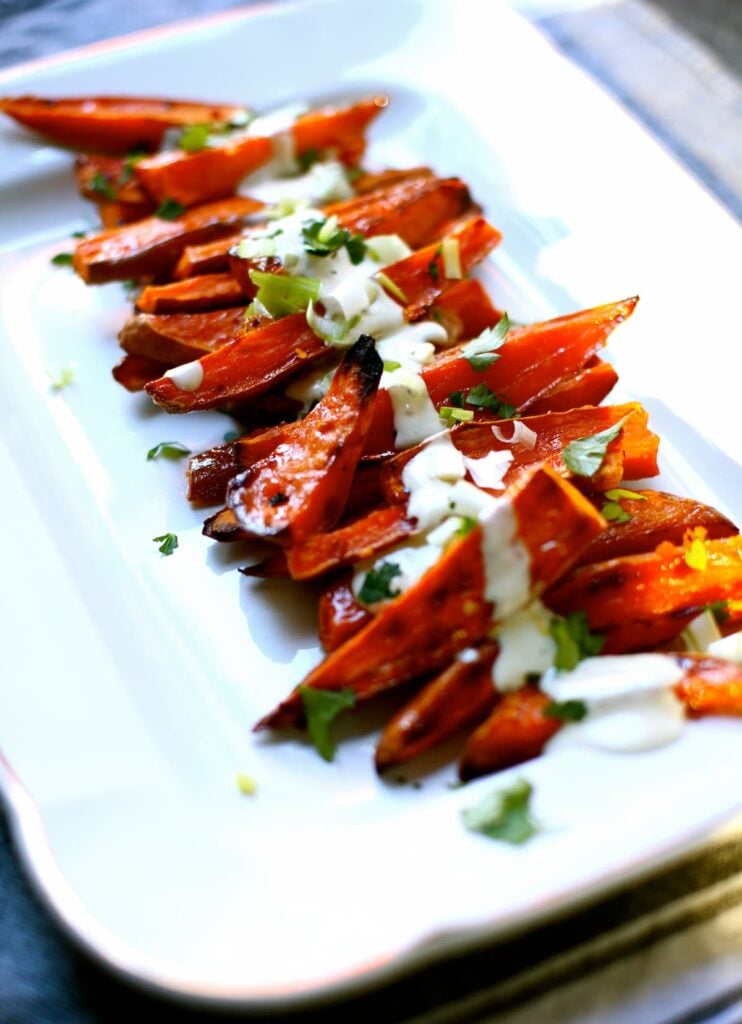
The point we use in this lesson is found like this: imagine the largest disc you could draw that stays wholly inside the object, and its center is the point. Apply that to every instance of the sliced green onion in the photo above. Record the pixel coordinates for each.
(282, 294)
(390, 286)
(386, 249)
(450, 412)
(451, 255)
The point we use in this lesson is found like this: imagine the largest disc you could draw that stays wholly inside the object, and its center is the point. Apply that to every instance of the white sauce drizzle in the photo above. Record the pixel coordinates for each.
(729, 647)
(507, 576)
(630, 702)
(490, 471)
(526, 647)
(415, 416)
(187, 377)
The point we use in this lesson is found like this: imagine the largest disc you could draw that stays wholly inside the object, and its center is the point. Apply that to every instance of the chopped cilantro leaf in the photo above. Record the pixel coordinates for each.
(168, 543)
(62, 259)
(127, 172)
(720, 611)
(567, 710)
(169, 209)
(433, 265)
(614, 512)
(323, 237)
(482, 351)
(231, 435)
(79, 234)
(456, 399)
(467, 525)
(574, 641)
(481, 397)
(504, 814)
(168, 450)
(308, 159)
(62, 380)
(584, 457)
(102, 184)
(376, 586)
(321, 708)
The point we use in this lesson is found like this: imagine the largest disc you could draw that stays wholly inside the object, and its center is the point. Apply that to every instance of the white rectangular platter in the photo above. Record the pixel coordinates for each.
(130, 681)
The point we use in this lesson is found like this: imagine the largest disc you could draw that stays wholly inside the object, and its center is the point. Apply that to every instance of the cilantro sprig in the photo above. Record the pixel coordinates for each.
(573, 640)
(321, 708)
(168, 543)
(324, 237)
(168, 450)
(504, 815)
(585, 456)
(377, 584)
(482, 397)
(567, 710)
(169, 209)
(482, 351)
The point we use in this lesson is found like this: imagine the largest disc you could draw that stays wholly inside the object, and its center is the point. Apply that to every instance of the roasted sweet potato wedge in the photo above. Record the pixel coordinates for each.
(213, 173)
(111, 124)
(326, 552)
(638, 602)
(459, 698)
(133, 372)
(209, 291)
(150, 248)
(207, 258)
(531, 361)
(518, 729)
(339, 616)
(405, 641)
(588, 387)
(173, 338)
(303, 485)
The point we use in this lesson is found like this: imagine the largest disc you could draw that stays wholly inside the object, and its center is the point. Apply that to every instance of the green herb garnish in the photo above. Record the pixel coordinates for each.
(194, 137)
(79, 234)
(323, 237)
(283, 294)
(614, 512)
(231, 435)
(168, 450)
(720, 611)
(390, 365)
(169, 209)
(377, 584)
(308, 159)
(63, 379)
(504, 815)
(574, 641)
(62, 259)
(279, 498)
(467, 525)
(127, 172)
(456, 399)
(566, 710)
(621, 492)
(451, 413)
(321, 708)
(481, 397)
(168, 543)
(433, 265)
(584, 457)
(103, 185)
(482, 351)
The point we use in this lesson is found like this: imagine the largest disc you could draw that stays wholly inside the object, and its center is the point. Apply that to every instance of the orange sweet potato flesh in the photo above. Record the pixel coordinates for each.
(638, 602)
(421, 277)
(120, 187)
(415, 209)
(588, 387)
(459, 698)
(150, 248)
(133, 372)
(381, 529)
(532, 360)
(412, 276)
(209, 291)
(207, 258)
(246, 367)
(340, 616)
(711, 686)
(212, 173)
(303, 485)
(516, 731)
(446, 610)
(173, 338)
(655, 517)
(465, 310)
(111, 124)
